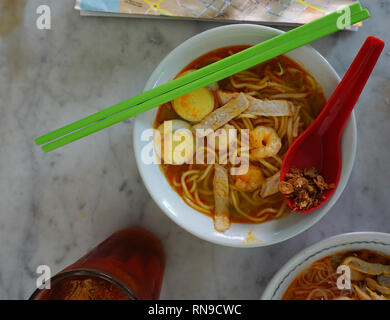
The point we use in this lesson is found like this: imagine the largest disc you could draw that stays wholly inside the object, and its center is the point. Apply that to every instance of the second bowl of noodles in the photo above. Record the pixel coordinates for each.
(349, 266)
(268, 106)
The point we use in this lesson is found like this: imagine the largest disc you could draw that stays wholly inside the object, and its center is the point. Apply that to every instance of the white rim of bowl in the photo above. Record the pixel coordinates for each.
(340, 240)
(331, 201)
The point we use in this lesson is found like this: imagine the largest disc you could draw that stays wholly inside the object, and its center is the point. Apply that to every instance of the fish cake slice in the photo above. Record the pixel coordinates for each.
(224, 114)
(221, 197)
(259, 107)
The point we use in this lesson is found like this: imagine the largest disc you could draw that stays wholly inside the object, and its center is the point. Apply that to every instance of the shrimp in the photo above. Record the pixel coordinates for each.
(250, 181)
(264, 142)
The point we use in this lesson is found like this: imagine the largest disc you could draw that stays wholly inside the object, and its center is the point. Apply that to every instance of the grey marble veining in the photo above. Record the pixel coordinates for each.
(55, 207)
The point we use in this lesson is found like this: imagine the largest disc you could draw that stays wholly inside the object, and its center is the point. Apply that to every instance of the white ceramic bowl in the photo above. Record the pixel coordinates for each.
(170, 202)
(375, 241)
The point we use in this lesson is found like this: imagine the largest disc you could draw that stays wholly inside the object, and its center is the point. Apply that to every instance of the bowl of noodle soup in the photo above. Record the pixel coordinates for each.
(294, 87)
(312, 274)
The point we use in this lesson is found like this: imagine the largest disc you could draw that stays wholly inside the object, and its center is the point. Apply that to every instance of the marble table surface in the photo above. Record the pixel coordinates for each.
(55, 207)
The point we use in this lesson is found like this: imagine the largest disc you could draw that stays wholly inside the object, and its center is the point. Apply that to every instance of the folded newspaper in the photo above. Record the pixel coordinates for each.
(272, 12)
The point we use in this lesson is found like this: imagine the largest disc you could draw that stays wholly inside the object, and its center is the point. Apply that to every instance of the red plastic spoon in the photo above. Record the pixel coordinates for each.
(319, 145)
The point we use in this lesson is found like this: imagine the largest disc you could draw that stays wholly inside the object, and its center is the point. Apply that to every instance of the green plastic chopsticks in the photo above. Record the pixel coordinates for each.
(200, 78)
